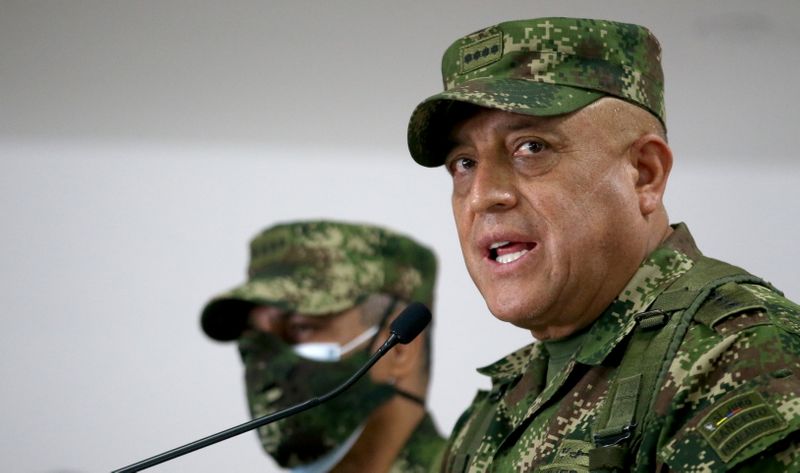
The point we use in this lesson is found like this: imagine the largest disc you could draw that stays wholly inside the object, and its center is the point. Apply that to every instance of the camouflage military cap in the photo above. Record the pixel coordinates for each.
(322, 267)
(540, 67)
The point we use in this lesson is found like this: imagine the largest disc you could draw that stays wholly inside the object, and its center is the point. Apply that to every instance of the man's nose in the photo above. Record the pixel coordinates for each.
(493, 187)
(268, 319)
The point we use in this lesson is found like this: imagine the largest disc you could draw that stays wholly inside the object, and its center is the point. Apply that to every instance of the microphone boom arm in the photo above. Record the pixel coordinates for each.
(263, 420)
(410, 323)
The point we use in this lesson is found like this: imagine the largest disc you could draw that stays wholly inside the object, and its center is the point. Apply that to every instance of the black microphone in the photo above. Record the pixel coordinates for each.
(403, 329)
(411, 322)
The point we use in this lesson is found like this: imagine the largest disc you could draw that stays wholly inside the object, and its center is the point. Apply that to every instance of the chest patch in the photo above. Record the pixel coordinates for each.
(738, 422)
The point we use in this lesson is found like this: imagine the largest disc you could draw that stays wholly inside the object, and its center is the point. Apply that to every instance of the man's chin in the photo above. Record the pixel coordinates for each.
(514, 315)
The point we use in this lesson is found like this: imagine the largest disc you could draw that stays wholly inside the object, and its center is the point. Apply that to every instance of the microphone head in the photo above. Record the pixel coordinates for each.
(410, 322)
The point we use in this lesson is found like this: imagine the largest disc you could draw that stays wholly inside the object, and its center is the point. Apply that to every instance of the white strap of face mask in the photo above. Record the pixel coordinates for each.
(331, 459)
(356, 342)
(328, 351)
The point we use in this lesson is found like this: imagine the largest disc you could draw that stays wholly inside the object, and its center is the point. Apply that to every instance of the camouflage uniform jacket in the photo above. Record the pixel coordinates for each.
(422, 451)
(728, 398)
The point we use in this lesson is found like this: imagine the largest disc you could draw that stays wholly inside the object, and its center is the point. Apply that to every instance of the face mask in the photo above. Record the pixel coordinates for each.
(332, 458)
(277, 377)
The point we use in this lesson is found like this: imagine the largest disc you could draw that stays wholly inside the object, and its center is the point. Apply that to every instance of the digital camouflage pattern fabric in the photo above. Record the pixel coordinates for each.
(323, 267)
(422, 452)
(541, 67)
(725, 396)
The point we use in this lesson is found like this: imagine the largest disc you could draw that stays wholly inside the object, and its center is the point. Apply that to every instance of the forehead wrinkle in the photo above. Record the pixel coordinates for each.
(521, 122)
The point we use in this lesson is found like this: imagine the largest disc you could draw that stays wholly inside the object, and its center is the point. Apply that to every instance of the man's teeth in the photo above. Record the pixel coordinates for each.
(508, 258)
(498, 244)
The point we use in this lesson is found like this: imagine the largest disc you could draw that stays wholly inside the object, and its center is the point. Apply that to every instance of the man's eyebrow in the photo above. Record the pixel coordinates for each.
(541, 124)
(528, 122)
(316, 319)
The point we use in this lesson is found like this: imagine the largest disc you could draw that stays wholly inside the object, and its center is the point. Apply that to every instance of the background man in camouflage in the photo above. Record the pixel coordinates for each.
(651, 357)
(318, 302)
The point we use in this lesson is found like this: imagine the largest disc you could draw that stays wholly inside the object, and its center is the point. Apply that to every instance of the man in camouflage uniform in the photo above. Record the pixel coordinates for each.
(318, 302)
(651, 356)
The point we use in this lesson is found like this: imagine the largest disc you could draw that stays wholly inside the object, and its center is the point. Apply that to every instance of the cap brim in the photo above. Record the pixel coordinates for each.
(430, 124)
(225, 319)
(225, 316)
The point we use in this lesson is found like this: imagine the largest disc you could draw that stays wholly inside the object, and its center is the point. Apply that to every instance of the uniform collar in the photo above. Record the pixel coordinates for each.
(671, 259)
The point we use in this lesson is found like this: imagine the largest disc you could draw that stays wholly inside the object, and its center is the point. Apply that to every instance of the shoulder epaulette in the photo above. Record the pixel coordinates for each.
(725, 302)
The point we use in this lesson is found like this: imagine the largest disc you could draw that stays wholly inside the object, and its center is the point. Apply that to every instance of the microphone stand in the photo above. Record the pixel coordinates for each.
(264, 420)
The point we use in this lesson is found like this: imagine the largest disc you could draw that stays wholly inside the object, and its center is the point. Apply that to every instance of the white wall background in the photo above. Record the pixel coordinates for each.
(143, 143)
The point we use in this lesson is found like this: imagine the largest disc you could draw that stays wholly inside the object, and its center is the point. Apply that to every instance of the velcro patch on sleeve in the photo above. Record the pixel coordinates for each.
(739, 421)
(571, 456)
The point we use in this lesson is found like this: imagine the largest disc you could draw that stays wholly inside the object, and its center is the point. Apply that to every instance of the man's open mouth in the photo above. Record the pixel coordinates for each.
(505, 252)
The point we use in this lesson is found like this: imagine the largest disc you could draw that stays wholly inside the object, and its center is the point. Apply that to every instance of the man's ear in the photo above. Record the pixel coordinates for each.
(404, 360)
(652, 158)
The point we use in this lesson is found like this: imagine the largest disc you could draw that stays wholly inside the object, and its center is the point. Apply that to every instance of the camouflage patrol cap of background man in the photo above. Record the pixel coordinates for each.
(540, 67)
(322, 267)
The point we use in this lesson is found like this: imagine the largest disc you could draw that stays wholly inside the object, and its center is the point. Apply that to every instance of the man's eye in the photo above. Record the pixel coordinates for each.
(532, 147)
(460, 165)
(299, 332)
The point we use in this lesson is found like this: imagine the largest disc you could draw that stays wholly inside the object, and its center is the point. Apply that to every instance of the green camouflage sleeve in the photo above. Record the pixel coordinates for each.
(731, 401)
(423, 450)
(782, 457)
(460, 429)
